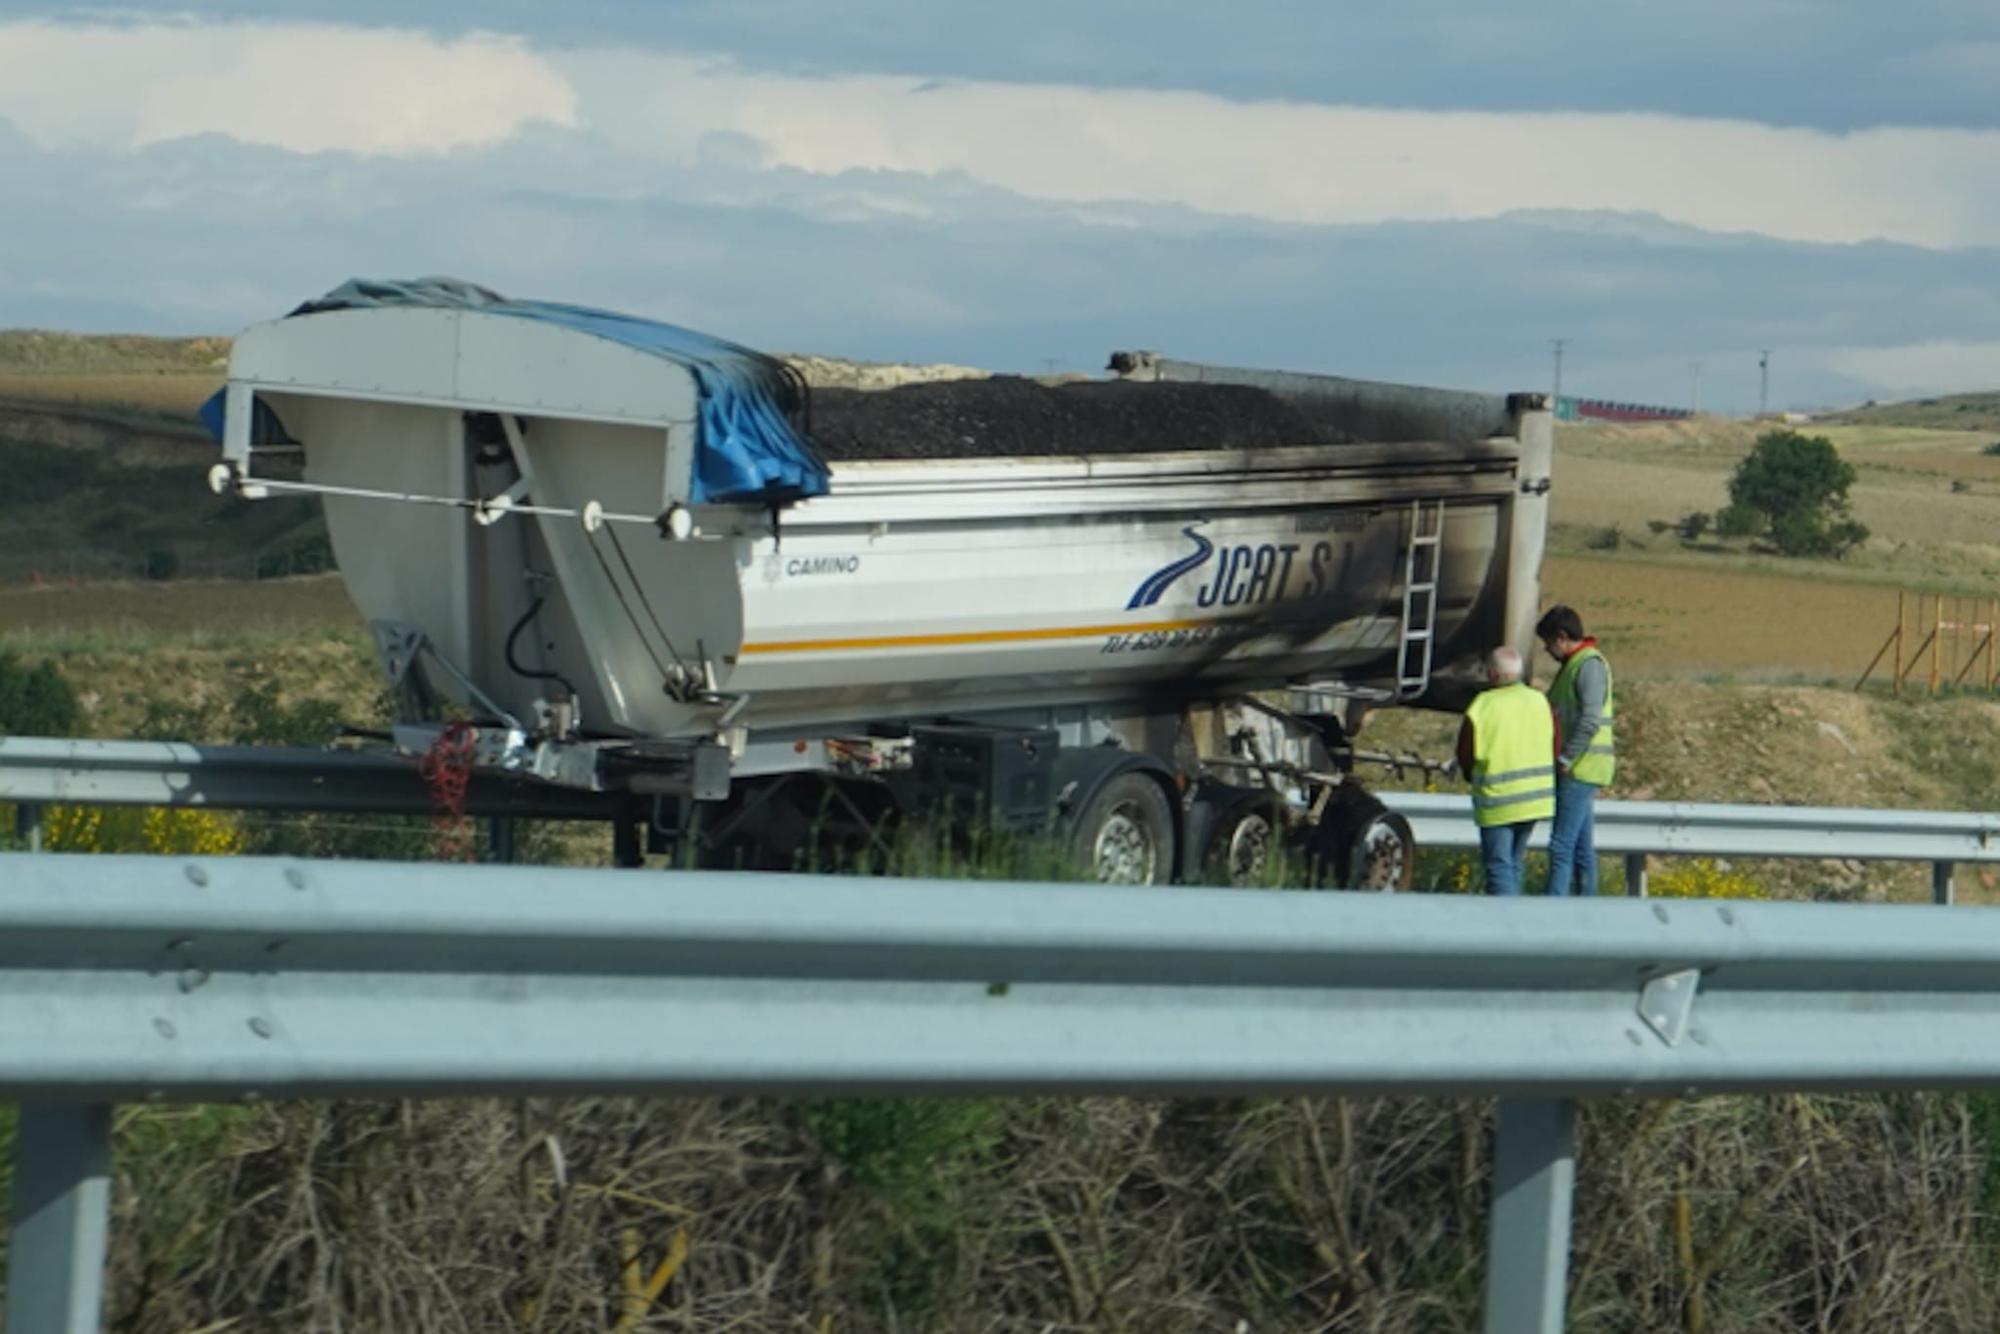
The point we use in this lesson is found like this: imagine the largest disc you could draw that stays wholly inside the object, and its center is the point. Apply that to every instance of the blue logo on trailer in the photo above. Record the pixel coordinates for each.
(1157, 583)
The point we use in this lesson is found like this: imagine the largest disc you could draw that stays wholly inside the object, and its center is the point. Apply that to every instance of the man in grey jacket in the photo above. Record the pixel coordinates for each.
(1581, 696)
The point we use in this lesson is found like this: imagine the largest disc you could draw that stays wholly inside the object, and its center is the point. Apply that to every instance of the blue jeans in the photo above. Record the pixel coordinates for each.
(1572, 839)
(1503, 847)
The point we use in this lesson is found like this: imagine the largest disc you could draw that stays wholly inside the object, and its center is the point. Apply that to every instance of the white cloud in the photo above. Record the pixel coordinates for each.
(1314, 163)
(305, 88)
(326, 88)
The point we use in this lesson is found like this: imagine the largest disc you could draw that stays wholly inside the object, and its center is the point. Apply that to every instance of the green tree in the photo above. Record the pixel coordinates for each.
(1797, 485)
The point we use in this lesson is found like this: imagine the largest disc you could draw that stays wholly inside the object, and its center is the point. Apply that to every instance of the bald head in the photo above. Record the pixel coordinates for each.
(1503, 667)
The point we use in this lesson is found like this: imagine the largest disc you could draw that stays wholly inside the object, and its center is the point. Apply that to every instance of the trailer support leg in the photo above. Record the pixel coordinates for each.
(60, 1217)
(1527, 1252)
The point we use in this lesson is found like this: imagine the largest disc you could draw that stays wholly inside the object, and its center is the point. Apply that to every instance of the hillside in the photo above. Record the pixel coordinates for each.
(93, 495)
(1951, 412)
(51, 350)
(152, 382)
(106, 466)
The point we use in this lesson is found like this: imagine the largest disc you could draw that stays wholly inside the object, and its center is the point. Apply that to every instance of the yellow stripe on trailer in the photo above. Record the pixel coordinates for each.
(1007, 636)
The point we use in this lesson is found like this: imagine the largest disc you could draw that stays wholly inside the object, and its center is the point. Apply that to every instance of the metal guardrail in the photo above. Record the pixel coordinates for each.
(130, 977)
(40, 770)
(1687, 828)
(1635, 830)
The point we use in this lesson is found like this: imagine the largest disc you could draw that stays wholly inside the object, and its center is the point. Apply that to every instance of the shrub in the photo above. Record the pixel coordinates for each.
(162, 564)
(36, 701)
(1692, 526)
(1738, 521)
(1604, 539)
(1993, 448)
(312, 555)
(902, 1147)
(1799, 484)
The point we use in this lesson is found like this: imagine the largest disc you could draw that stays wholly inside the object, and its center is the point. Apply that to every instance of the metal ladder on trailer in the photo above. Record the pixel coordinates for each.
(1422, 560)
(1416, 636)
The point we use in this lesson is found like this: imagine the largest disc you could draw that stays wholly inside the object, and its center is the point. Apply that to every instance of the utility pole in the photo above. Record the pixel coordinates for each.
(1558, 344)
(1763, 382)
(1694, 374)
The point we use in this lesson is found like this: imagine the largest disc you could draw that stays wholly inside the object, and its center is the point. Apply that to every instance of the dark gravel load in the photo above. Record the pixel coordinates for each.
(1008, 415)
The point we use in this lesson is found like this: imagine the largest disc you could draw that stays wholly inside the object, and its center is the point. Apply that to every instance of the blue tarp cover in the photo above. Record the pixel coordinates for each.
(747, 451)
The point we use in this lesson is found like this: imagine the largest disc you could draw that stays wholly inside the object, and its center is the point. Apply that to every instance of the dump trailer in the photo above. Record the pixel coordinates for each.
(1155, 607)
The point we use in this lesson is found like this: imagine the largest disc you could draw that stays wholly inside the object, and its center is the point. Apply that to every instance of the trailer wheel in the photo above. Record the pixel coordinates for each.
(1125, 836)
(1245, 843)
(1381, 850)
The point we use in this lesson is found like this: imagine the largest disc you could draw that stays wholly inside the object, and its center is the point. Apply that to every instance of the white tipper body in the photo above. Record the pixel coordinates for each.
(914, 589)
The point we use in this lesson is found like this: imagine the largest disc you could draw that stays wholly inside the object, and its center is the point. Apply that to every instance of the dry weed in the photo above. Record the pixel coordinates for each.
(1718, 1217)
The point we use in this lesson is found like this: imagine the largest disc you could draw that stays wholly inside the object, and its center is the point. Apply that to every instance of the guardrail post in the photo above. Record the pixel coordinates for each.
(500, 839)
(1635, 875)
(28, 824)
(1941, 888)
(60, 1217)
(1527, 1249)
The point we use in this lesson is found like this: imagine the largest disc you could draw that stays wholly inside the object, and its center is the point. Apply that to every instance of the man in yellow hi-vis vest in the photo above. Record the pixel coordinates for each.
(1506, 747)
(1582, 697)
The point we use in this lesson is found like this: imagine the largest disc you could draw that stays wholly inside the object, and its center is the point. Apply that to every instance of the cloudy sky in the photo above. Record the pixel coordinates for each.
(1425, 190)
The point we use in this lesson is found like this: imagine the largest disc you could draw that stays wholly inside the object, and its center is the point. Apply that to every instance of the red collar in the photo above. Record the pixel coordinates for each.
(1588, 641)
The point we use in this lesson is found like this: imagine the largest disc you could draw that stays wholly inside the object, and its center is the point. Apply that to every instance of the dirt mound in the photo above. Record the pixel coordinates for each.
(1007, 415)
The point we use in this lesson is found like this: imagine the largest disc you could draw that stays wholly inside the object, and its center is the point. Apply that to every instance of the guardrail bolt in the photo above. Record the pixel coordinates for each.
(164, 1027)
(295, 877)
(261, 1026)
(197, 876)
(1659, 912)
(1728, 917)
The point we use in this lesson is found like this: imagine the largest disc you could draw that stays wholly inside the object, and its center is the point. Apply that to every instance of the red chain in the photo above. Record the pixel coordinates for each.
(447, 770)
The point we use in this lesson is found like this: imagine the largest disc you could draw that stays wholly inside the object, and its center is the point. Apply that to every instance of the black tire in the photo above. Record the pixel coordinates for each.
(1362, 844)
(1382, 854)
(1125, 835)
(1244, 842)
